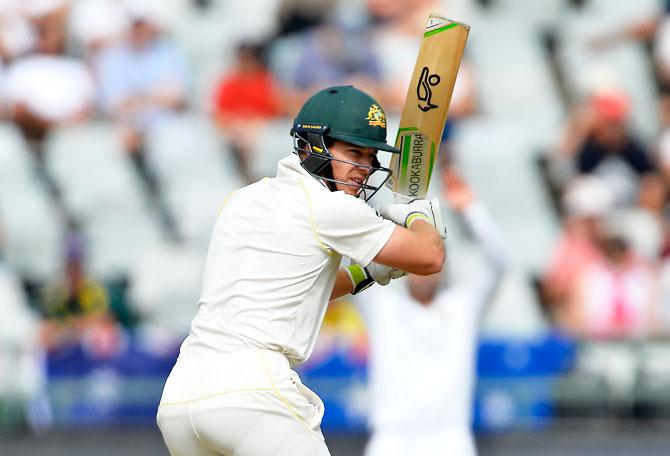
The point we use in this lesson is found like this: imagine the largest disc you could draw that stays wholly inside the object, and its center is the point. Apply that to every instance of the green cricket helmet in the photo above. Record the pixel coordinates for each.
(346, 114)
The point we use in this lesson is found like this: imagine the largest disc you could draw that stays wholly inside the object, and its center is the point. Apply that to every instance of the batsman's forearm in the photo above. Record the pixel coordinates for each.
(433, 245)
(343, 285)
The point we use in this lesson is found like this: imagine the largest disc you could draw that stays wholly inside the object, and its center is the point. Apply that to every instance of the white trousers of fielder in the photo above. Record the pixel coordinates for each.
(247, 403)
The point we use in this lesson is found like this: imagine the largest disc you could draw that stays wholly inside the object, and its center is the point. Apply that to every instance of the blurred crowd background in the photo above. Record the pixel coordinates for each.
(124, 124)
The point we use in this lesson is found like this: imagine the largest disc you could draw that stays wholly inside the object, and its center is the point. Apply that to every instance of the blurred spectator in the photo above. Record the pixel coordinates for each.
(596, 284)
(407, 15)
(598, 140)
(17, 36)
(653, 27)
(76, 308)
(423, 343)
(646, 223)
(295, 16)
(97, 25)
(48, 89)
(615, 295)
(586, 201)
(143, 79)
(244, 100)
(48, 17)
(397, 32)
(333, 54)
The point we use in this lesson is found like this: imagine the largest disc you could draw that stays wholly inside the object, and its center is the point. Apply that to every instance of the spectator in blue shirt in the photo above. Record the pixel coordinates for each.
(142, 80)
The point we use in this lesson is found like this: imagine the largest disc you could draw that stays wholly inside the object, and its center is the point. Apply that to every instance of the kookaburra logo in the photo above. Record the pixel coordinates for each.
(424, 89)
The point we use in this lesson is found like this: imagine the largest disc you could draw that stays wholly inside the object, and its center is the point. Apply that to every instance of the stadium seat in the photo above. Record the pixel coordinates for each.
(167, 297)
(653, 386)
(90, 166)
(33, 229)
(195, 173)
(100, 188)
(614, 363)
(497, 158)
(532, 107)
(16, 160)
(514, 311)
(23, 376)
(532, 13)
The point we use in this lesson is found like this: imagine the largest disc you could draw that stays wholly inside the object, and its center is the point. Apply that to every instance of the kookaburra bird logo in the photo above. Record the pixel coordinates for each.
(424, 91)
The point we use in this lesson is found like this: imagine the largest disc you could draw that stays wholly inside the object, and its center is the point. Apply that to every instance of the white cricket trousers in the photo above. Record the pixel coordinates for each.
(247, 403)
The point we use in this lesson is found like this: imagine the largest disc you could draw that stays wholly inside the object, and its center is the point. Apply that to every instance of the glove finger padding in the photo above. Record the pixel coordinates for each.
(420, 209)
(383, 274)
(362, 278)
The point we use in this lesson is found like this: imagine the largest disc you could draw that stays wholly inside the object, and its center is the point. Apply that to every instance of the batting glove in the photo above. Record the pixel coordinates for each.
(419, 209)
(362, 278)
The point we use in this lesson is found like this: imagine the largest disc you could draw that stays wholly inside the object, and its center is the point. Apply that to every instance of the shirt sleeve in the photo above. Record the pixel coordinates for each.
(352, 228)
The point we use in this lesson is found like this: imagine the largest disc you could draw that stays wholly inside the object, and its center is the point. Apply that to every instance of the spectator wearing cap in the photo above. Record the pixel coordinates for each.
(143, 79)
(598, 140)
(335, 53)
(48, 89)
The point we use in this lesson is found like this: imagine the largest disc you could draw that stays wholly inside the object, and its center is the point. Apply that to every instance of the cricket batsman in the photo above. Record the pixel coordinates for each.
(272, 267)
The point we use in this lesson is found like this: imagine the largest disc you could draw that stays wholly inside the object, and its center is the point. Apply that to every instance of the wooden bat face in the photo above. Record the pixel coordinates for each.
(425, 111)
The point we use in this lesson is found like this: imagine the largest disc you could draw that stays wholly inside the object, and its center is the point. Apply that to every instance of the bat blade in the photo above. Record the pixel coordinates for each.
(426, 106)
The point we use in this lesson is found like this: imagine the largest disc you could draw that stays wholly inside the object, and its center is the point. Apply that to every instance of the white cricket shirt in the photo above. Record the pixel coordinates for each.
(273, 259)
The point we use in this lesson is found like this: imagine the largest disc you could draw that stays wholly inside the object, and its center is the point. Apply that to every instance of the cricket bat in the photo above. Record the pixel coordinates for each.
(425, 111)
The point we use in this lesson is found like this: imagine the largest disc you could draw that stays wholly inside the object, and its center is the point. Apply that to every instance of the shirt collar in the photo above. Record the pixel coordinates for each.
(290, 168)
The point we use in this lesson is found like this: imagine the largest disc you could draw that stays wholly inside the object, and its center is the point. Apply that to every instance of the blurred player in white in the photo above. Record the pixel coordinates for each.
(423, 340)
(272, 267)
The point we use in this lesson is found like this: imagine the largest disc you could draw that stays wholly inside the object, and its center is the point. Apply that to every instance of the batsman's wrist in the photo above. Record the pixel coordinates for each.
(360, 278)
(414, 216)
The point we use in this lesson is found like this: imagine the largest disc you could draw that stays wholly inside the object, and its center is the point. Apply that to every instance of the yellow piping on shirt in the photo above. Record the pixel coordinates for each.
(327, 249)
(225, 201)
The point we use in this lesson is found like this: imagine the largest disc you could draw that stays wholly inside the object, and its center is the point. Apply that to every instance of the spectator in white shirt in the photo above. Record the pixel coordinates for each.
(48, 89)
